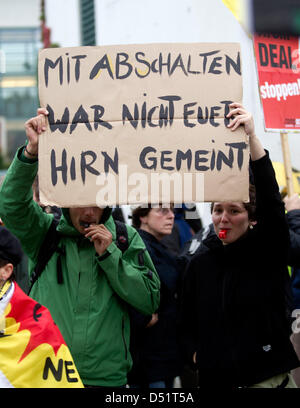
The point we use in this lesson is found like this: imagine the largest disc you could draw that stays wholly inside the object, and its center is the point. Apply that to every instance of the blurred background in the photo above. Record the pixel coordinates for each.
(29, 25)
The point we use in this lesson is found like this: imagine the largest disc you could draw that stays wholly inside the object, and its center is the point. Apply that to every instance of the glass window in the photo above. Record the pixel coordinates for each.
(19, 49)
(19, 103)
(18, 80)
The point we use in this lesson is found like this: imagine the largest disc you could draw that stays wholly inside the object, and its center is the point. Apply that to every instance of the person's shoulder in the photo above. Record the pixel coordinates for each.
(206, 248)
(131, 231)
(133, 235)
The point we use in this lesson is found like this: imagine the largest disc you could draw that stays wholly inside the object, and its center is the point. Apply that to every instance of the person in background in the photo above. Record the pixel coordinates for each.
(154, 338)
(234, 324)
(292, 206)
(187, 223)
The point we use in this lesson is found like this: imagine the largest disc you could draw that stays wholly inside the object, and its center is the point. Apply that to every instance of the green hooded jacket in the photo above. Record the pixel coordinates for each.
(90, 307)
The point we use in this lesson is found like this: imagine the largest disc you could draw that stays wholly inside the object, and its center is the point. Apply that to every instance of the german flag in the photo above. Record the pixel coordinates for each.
(33, 353)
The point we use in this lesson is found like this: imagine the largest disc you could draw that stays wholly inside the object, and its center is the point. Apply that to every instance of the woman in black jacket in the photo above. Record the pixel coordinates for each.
(234, 322)
(154, 339)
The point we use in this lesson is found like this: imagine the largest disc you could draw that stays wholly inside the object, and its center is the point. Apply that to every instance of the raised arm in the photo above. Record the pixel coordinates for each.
(34, 127)
(20, 213)
(242, 117)
(270, 214)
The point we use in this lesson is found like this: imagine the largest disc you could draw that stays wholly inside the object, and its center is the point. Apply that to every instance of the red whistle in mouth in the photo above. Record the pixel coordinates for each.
(222, 234)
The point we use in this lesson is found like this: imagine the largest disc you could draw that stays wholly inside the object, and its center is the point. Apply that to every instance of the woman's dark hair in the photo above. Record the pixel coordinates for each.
(250, 206)
(139, 212)
(3, 262)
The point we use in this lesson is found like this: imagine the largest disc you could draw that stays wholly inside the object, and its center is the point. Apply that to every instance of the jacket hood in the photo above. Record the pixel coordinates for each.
(67, 228)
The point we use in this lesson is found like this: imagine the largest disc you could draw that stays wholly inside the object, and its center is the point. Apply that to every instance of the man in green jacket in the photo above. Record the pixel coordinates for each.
(90, 305)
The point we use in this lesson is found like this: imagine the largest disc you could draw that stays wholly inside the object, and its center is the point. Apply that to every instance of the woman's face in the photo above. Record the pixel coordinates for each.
(158, 222)
(232, 217)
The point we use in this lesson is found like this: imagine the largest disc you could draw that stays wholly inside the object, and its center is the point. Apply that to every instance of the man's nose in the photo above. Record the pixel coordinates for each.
(89, 211)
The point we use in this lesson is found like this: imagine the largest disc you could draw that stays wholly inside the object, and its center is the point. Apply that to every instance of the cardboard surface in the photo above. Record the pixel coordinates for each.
(123, 117)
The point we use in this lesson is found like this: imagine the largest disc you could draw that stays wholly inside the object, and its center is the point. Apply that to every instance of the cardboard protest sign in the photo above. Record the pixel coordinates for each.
(141, 123)
(277, 59)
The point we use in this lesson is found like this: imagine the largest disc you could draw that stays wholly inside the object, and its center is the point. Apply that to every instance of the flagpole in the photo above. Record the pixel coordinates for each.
(287, 163)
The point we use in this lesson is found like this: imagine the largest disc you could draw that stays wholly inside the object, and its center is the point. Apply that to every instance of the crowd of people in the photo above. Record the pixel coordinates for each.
(211, 306)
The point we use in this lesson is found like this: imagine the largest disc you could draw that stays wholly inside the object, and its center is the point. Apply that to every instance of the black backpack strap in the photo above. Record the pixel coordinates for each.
(121, 236)
(47, 249)
(122, 240)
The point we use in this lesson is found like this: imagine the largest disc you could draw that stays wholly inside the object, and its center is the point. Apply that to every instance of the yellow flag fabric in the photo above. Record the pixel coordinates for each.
(238, 9)
(281, 178)
(33, 353)
(235, 7)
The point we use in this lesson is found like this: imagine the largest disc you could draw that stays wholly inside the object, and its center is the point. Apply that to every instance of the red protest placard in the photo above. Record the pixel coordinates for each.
(277, 59)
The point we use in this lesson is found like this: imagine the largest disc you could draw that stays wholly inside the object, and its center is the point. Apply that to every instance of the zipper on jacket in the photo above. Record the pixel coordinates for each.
(123, 337)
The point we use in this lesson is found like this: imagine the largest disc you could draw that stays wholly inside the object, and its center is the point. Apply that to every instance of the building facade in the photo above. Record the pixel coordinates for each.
(20, 40)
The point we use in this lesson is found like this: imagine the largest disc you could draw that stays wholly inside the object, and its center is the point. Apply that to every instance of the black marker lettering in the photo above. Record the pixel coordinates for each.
(80, 116)
(137, 71)
(236, 65)
(54, 168)
(59, 124)
(98, 113)
(84, 166)
(164, 159)
(214, 114)
(123, 63)
(205, 55)
(126, 115)
(142, 158)
(180, 156)
(199, 159)
(213, 65)
(187, 112)
(77, 65)
(202, 120)
(240, 146)
(102, 64)
(221, 157)
(50, 64)
(111, 163)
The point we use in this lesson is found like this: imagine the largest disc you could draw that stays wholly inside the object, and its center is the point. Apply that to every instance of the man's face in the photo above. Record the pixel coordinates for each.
(80, 216)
